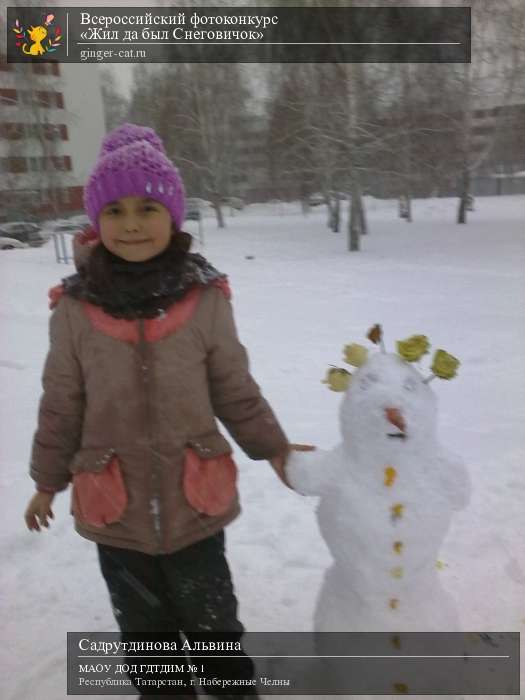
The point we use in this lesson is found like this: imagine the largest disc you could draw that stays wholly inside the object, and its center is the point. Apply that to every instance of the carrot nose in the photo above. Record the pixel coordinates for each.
(395, 417)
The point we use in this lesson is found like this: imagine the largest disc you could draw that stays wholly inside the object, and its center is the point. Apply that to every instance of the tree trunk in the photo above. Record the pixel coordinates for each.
(464, 197)
(407, 149)
(220, 217)
(361, 212)
(216, 201)
(355, 220)
(334, 213)
(405, 207)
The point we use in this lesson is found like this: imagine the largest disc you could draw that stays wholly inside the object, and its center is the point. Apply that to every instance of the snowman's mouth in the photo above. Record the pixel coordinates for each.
(402, 436)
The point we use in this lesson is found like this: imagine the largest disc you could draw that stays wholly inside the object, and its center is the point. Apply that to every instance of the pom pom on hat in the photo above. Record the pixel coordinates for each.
(133, 162)
(129, 133)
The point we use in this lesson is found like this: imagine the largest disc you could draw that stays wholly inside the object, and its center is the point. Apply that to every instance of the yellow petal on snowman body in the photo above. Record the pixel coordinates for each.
(393, 603)
(390, 476)
(397, 511)
(440, 564)
(397, 547)
(337, 378)
(355, 354)
(397, 572)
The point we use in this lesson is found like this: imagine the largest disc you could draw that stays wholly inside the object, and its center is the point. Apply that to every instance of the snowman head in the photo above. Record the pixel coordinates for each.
(388, 410)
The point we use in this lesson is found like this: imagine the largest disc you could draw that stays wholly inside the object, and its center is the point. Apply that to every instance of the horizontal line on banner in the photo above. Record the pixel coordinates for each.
(214, 656)
(268, 43)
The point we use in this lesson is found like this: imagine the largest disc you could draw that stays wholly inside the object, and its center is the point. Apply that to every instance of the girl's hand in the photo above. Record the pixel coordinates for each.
(279, 462)
(38, 510)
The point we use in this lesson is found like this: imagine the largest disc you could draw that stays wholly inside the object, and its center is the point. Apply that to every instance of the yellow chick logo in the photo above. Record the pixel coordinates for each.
(37, 41)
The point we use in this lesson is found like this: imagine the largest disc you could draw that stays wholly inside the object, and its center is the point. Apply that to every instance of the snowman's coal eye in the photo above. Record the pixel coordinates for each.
(367, 380)
(410, 384)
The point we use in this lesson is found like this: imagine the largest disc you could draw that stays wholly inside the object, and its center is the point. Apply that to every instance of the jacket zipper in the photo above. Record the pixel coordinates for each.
(146, 380)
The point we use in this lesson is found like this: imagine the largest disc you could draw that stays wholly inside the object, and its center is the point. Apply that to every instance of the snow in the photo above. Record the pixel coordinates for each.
(297, 302)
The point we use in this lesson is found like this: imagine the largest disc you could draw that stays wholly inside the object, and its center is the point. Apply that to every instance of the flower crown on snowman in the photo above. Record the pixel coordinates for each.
(411, 349)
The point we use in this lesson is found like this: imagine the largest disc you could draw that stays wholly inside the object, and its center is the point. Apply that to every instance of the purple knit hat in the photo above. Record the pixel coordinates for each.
(133, 162)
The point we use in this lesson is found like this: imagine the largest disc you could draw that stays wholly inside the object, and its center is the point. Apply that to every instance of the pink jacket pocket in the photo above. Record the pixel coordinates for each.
(99, 493)
(209, 479)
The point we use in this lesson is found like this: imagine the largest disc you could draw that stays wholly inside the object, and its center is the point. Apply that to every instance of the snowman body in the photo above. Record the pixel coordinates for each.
(387, 495)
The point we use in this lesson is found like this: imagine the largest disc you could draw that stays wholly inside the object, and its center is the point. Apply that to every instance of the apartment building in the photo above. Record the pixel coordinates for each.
(51, 125)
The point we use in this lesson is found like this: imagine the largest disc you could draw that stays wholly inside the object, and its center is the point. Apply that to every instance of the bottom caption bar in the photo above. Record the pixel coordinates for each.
(294, 663)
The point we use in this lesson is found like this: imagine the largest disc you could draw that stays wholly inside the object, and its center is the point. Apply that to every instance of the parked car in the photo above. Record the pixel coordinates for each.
(10, 243)
(81, 220)
(318, 198)
(24, 231)
(234, 202)
(61, 226)
(315, 199)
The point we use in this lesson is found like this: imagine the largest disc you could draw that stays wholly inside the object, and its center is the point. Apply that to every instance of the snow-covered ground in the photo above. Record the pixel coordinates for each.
(297, 301)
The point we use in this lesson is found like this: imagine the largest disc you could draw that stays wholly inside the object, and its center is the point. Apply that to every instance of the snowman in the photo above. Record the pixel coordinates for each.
(387, 494)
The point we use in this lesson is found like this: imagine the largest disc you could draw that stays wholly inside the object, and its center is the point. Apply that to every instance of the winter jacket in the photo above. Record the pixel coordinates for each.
(128, 414)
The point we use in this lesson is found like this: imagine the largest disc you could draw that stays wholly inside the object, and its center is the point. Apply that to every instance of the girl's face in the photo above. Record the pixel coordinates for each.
(135, 228)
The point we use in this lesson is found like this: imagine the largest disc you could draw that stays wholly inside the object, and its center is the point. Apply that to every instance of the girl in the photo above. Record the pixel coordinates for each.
(143, 356)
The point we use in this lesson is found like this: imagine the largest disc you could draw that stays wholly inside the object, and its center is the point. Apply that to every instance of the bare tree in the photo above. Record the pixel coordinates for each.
(199, 110)
(116, 106)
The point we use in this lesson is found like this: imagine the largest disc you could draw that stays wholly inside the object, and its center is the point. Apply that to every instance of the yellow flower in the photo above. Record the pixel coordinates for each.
(355, 354)
(413, 348)
(337, 378)
(444, 365)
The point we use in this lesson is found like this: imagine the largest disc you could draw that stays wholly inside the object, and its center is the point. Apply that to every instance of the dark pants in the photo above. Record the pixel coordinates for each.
(188, 592)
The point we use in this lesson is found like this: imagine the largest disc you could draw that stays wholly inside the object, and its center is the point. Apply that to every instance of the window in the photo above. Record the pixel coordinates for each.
(16, 165)
(59, 100)
(61, 162)
(52, 131)
(55, 70)
(42, 98)
(8, 97)
(12, 131)
(63, 132)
